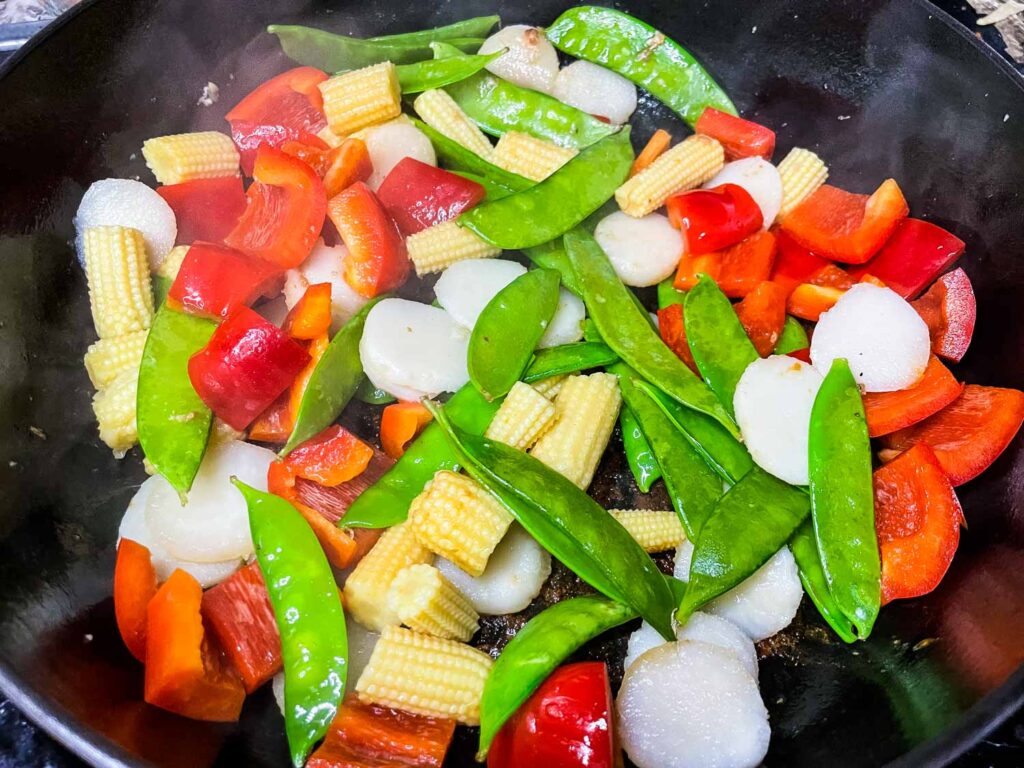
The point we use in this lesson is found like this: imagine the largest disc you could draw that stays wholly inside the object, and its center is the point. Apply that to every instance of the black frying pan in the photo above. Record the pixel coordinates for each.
(880, 87)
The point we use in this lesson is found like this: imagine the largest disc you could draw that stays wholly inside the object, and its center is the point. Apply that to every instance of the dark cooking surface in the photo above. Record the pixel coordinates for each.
(799, 76)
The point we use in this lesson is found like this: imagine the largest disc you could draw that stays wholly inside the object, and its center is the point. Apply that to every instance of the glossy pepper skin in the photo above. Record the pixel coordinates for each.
(566, 723)
(714, 219)
(134, 587)
(913, 257)
(205, 209)
(245, 366)
(215, 280)
(950, 310)
(419, 196)
(738, 137)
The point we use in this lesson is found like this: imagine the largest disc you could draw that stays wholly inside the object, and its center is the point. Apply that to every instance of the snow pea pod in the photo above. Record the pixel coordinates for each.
(386, 502)
(337, 53)
(508, 329)
(369, 394)
(161, 287)
(333, 382)
(668, 294)
(718, 342)
(626, 328)
(437, 73)
(309, 616)
(552, 255)
(494, 190)
(498, 106)
(643, 464)
(750, 523)
(642, 54)
(842, 498)
(812, 576)
(546, 640)
(792, 338)
(566, 522)
(560, 202)
(568, 358)
(457, 158)
(476, 26)
(173, 422)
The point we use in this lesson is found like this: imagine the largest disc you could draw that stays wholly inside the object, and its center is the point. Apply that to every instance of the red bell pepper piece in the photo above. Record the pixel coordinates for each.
(214, 280)
(845, 226)
(793, 264)
(891, 411)
(949, 309)
(286, 209)
(738, 137)
(831, 276)
(672, 328)
(399, 424)
(339, 167)
(763, 314)
(205, 209)
(917, 519)
(185, 672)
(738, 270)
(714, 219)
(285, 108)
(801, 354)
(418, 195)
(809, 301)
(331, 458)
(378, 261)
(366, 735)
(239, 614)
(134, 587)
(334, 502)
(969, 434)
(566, 723)
(311, 316)
(247, 363)
(910, 260)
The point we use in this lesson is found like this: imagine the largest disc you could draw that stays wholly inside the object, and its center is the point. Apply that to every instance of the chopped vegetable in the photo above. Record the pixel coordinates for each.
(738, 269)
(643, 251)
(714, 219)
(809, 302)
(890, 411)
(132, 205)
(761, 180)
(686, 166)
(399, 425)
(913, 257)
(417, 195)
(763, 316)
(439, 247)
(205, 209)
(672, 328)
(529, 156)
(106, 359)
(361, 97)
(214, 281)
(523, 417)
(466, 287)
(191, 156)
(738, 137)
(392, 142)
(794, 264)
(331, 458)
(949, 309)
(310, 318)
(426, 602)
(120, 294)
(653, 529)
(377, 261)
(802, 173)
(529, 61)
(596, 90)
(367, 586)
(653, 149)
(441, 112)
(134, 587)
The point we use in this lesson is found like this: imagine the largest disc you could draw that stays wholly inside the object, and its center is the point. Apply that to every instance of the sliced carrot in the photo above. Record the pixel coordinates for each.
(654, 148)
(763, 314)
(808, 301)
(399, 424)
(349, 164)
(134, 587)
(737, 270)
(310, 318)
(891, 411)
(673, 332)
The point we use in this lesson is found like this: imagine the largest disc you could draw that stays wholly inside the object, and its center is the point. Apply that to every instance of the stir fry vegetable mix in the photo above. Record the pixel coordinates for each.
(759, 431)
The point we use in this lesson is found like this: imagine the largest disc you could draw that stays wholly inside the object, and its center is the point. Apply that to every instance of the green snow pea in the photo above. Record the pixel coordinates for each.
(626, 328)
(457, 158)
(386, 502)
(718, 342)
(161, 287)
(668, 294)
(173, 422)
(792, 338)
(566, 522)
(307, 609)
(639, 454)
(498, 106)
(508, 329)
(812, 576)
(642, 54)
(568, 358)
(536, 650)
(842, 499)
(552, 255)
(751, 522)
(560, 202)
(476, 26)
(437, 73)
(336, 53)
(333, 382)
(494, 190)
(693, 486)
(369, 394)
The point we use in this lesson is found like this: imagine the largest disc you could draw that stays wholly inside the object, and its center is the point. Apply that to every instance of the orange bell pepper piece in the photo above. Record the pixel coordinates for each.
(845, 226)
(316, 350)
(831, 276)
(738, 269)
(399, 424)
(275, 424)
(672, 329)
(890, 411)
(378, 261)
(185, 672)
(311, 316)
(808, 301)
(350, 163)
(763, 314)
(134, 587)
(652, 150)
(917, 519)
(330, 458)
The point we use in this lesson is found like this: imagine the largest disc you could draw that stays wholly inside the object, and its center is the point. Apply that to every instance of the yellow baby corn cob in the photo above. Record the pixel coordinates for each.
(586, 410)
(120, 292)
(529, 156)
(189, 156)
(114, 407)
(440, 112)
(438, 247)
(801, 172)
(551, 386)
(172, 263)
(109, 358)
(366, 588)
(522, 417)
(654, 530)
(425, 675)
(687, 165)
(427, 602)
(362, 97)
(457, 519)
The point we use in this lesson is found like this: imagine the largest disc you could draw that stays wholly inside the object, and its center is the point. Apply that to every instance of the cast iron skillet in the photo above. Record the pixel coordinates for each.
(880, 87)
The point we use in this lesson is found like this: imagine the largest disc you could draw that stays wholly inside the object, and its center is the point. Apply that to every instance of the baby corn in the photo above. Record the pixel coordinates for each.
(802, 172)
(439, 110)
(109, 358)
(654, 530)
(686, 166)
(427, 602)
(438, 247)
(522, 418)
(120, 291)
(529, 156)
(361, 98)
(190, 156)
(366, 588)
